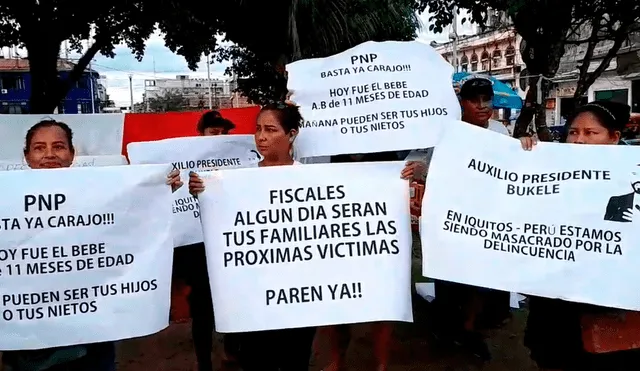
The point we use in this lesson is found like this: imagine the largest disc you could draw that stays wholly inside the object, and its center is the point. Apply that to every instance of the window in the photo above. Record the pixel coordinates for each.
(618, 95)
(510, 54)
(12, 81)
(85, 107)
(82, 83)
(485, 60)
(474, 62)
(464, 63)
(12, 109)
(496, 58)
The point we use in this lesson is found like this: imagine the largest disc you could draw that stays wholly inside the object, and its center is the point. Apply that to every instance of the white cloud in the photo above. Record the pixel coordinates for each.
(167, 65)
(158, 62)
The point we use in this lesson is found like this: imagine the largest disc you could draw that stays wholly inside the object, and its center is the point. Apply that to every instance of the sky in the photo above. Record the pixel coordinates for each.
(160, 62)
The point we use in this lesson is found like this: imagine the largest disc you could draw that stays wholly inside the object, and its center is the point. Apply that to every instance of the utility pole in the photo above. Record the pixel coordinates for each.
(131, 91)
(93, 98)
(209, 84)
(454, 36)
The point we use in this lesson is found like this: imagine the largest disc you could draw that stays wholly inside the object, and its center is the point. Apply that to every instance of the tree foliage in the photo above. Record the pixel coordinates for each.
(42, 26)
(310, 29)
(169, 101)
(547, 27)
(267, 34)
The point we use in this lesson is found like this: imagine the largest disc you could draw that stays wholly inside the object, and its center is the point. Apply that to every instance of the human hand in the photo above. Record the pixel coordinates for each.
(196, 185)
(414, 170)
(173, 179)
(528, 143)
(629, 214)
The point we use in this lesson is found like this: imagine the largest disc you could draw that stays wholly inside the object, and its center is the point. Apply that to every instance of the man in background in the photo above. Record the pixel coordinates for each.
(476, 99)
(190, 262)
(464, 311)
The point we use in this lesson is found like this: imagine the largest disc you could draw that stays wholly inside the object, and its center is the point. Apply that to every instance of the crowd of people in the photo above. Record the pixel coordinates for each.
(463, 312)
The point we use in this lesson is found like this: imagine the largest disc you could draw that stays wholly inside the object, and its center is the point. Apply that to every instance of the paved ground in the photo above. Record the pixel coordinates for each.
(172, 350)
(413, 349)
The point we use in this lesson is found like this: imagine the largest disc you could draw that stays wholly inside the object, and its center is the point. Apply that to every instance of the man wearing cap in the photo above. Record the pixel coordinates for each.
(191, 263)
(460, 308)
(476, 99)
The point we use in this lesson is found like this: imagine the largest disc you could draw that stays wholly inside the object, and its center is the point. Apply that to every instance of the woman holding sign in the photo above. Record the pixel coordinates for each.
(560, 334)
(49, 145)
(286, 349)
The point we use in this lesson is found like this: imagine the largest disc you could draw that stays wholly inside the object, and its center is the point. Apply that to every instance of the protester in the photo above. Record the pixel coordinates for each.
(476, 99)
(190, 262)
(340, 336)
(287, 349)
(49, 145)
(212, 123)
(554, 328)
(462, 311)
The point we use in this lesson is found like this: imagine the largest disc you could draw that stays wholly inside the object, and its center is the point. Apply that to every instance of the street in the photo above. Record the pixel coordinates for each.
(413, 349)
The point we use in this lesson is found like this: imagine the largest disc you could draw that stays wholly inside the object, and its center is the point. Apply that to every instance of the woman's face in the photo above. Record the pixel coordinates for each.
(587, 129)
(271, 139)
(49, 149)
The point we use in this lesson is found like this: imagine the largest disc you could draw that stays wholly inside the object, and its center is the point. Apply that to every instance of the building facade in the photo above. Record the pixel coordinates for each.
(15, 88)
(195, 91)
(494, 53)
(620, 82)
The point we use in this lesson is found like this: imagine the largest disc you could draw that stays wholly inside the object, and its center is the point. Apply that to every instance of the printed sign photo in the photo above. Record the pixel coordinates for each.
(377, 96)
(194, 154)
(98, 134)
(307, 245)
(84, 249)
(494, 215)
(78, 161)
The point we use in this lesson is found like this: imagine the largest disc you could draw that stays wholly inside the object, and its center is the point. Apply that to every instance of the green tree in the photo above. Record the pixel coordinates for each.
(308, 29)
(547, 28)
(42, 26)
(170, 101)
(288, 30)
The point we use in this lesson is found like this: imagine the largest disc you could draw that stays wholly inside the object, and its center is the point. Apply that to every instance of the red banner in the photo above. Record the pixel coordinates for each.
(144, 127)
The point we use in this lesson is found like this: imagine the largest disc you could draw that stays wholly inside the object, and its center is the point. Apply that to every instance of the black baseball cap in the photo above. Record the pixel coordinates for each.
(476, 86)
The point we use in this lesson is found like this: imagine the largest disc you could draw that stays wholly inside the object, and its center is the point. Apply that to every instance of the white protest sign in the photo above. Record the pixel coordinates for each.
(550, 222)
(78, 161)
(375, 97)
(309, 245)
(194, 154)
(85, 256)
(95, 134)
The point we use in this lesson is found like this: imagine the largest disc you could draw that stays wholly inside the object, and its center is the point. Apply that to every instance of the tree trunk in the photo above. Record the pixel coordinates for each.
(528, 110)
(43, 66)
(47, 89)
(541, 113)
